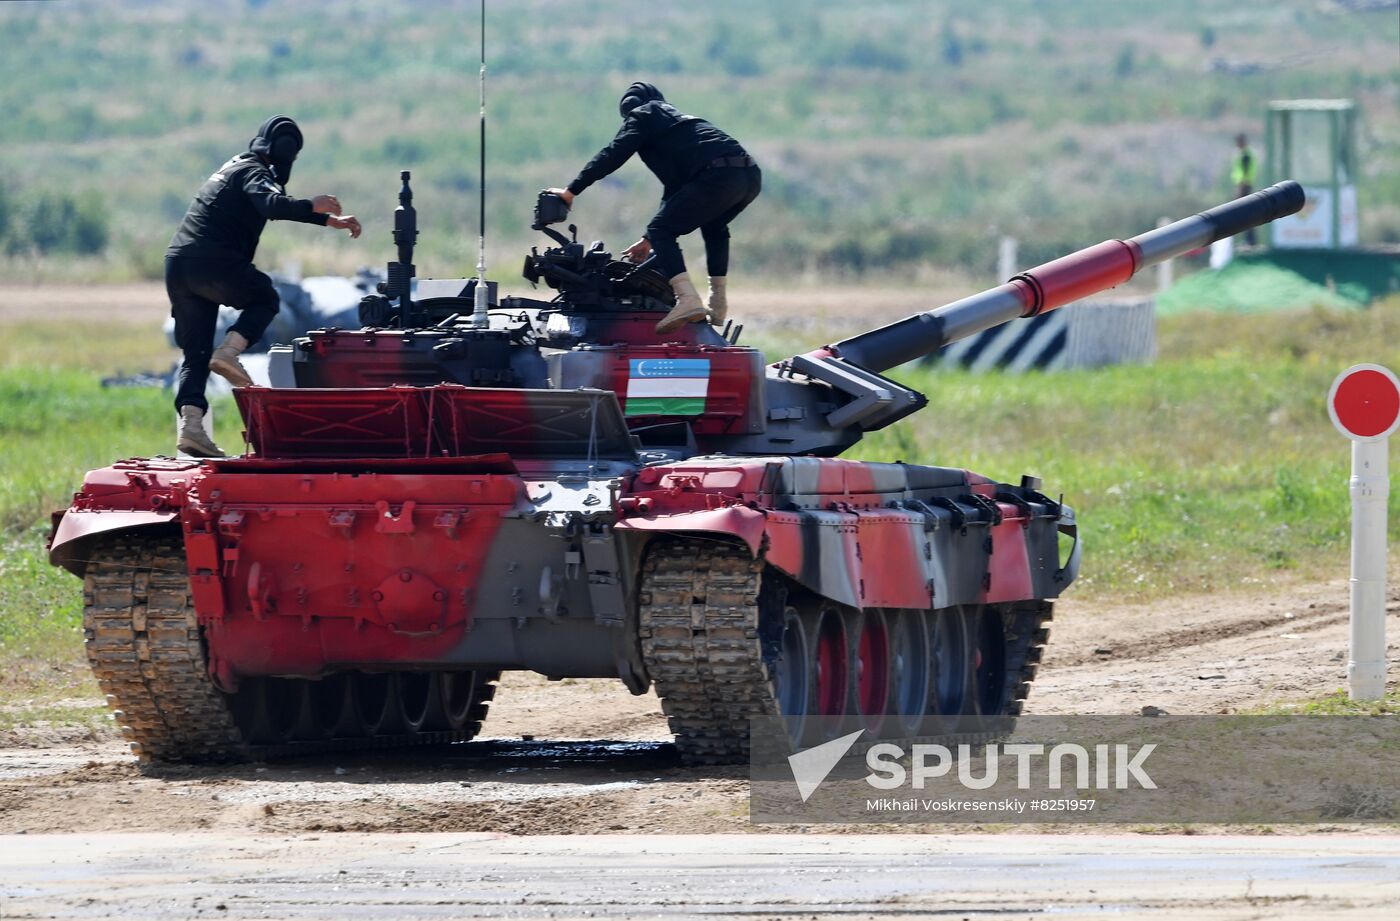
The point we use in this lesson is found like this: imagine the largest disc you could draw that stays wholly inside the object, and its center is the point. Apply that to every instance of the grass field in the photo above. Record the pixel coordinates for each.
(1339, 704)
(1215, 469)
(894, 136)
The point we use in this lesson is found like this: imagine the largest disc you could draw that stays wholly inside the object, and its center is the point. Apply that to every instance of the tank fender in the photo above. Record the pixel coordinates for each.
(738, 521)
(1069, 526)
(925, 556)
(75, 530)
(134, 494)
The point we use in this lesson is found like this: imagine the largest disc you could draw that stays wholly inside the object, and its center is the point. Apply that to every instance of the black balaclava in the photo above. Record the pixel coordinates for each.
(638, 94)
(278, 141)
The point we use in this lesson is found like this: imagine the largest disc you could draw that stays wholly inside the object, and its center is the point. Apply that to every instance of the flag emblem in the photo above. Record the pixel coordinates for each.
(667, 386)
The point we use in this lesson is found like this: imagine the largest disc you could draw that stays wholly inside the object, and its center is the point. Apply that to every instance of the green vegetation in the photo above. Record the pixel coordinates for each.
(894, 136)
(1338, 704)
(52, 223)
(56, 423)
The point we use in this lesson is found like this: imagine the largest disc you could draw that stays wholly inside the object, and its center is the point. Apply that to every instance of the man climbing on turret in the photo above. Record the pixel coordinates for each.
(210, 262)
(707, 179)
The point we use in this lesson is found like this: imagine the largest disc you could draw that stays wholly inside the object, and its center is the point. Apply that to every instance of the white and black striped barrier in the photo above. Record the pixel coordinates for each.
(1089, 334)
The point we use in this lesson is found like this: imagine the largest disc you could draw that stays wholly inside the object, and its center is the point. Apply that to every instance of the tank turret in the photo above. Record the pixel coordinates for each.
(596, 333)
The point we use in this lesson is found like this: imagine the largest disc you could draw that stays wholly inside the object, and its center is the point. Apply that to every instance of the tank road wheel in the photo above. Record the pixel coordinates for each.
(793, 674)
(146, 648)
(869, 669)
(910, 671)
(455, 690)
(830, 671)
(418, 699)
(330, 706)
(377, 703)
(269, 710)
(465, 698)
(949, 656)
(989, 661)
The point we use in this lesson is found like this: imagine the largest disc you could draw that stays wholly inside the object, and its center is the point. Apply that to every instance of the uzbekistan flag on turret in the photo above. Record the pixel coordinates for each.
(667, 386)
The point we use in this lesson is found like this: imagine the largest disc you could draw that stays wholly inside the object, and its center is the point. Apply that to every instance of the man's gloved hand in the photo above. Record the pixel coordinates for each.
(637, 252)
(564, 194)
(325, 204)
(348, 222)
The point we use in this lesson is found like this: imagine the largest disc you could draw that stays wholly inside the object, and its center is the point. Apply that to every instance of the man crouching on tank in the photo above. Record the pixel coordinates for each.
(210, 262)
(707, 179)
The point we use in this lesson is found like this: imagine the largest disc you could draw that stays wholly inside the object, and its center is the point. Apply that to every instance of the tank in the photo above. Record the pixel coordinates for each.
(548, 484)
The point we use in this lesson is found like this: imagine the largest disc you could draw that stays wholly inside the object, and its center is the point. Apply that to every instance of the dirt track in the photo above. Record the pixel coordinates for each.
(1203, 654)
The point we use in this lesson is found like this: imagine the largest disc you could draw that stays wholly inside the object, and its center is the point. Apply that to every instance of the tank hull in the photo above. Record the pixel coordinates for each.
(474, 565)
(297, 574)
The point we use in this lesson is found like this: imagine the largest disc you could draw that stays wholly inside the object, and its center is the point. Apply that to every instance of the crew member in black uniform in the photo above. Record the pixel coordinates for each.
(210, 262)
(707, 179)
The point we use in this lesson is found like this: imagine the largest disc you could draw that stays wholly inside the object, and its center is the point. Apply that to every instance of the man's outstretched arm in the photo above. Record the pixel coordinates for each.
(608, 160)
(272, 204)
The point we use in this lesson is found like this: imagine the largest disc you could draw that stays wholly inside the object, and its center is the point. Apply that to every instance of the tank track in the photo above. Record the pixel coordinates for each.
(703, 646)
(146, 648)
(698, 619)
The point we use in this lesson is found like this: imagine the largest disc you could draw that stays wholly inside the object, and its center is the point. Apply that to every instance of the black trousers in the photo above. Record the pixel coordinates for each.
(707, 203)
(196, 288)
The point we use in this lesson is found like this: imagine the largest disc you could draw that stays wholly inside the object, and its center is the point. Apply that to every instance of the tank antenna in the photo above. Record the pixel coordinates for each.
(480, 318)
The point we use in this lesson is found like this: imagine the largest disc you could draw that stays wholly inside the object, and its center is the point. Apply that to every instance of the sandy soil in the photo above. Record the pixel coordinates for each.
(1206, 654)
(137, 302)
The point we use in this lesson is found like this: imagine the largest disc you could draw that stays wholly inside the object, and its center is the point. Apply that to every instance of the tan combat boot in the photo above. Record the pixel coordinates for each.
(689, 308)
(192, 439)
(719, 301)
(225, 361)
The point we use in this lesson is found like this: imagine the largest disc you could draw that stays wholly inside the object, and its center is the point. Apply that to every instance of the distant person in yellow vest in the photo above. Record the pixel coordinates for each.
(1242, 172)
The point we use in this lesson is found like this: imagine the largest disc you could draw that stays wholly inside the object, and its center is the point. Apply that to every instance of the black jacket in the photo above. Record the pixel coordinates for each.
(673, 145)
(230, 210)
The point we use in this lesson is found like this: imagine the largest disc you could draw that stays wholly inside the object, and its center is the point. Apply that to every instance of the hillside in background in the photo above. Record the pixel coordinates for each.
(898, 139)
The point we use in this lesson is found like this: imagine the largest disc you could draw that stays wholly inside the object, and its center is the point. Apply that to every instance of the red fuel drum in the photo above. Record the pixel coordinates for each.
(568, 492)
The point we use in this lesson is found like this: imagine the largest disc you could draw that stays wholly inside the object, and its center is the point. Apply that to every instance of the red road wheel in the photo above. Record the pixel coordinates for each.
(870, 668)
(830, 673)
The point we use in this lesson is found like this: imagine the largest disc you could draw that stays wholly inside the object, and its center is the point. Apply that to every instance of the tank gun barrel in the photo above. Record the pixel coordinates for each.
(1064, 280)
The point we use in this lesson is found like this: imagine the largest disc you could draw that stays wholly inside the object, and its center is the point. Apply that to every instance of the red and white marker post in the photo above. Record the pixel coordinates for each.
(1364, 404)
